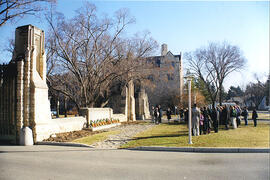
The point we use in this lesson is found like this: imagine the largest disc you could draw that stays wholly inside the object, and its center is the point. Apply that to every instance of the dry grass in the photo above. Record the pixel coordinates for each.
(95, 138)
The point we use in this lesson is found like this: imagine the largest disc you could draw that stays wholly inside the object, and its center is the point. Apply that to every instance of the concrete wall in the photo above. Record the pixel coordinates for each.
(92, 114)
(121, 117)
(59, 125)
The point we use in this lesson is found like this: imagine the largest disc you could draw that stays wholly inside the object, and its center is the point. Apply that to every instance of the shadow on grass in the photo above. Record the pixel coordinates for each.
(183, 133)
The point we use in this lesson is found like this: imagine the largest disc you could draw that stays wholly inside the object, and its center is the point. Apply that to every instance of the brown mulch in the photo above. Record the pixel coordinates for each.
(70, 136)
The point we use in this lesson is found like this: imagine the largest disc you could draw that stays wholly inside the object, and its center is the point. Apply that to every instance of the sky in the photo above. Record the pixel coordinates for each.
(187, 26)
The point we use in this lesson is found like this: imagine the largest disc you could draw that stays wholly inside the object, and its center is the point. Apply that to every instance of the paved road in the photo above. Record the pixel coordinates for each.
(56, 162)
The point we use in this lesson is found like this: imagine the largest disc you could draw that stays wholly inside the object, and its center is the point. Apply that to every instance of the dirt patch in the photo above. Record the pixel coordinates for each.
(70, 136)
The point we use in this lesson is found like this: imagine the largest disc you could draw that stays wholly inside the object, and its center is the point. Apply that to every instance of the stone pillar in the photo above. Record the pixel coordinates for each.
(143, 104)
(26, 88)
(29, 45)
(130, 102)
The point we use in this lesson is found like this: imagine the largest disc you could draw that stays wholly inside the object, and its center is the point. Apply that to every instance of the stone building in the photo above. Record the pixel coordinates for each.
(167, 78)
(165, 85)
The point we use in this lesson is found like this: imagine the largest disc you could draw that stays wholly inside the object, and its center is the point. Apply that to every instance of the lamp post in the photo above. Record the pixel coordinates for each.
(189, 110)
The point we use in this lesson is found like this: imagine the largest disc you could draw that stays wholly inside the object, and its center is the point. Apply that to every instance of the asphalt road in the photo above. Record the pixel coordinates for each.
(56, 162)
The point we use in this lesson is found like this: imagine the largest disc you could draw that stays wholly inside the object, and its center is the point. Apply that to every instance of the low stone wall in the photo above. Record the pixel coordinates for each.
(121, 117)
(59, 125)
(93, 114)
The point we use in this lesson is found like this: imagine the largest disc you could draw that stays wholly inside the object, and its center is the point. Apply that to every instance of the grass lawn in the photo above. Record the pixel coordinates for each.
(264, 116)
(176, 135)
(95, 138)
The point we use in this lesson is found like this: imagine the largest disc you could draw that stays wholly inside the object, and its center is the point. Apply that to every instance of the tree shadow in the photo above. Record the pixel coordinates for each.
(182, 133)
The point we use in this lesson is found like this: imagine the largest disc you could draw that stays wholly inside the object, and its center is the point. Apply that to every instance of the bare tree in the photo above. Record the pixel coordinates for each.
(213, 64)
(255, 92)
(91, 53)
(12, 9)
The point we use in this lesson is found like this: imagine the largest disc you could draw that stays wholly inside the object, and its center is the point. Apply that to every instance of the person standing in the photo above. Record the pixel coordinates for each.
(233, 117)
(201, 122)
(169, 113)
(156, 115)
(181, 111)
(227, 116)
(206, 121)
(214, 117)
(254, 117)
(195, 120)
(245, 115)
(186, 116)
(152, 114)
(238, 114)
(160, 113)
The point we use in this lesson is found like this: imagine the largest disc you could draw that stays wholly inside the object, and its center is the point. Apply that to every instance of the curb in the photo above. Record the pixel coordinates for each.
(203, 150)
(169, 149)
(62, 144)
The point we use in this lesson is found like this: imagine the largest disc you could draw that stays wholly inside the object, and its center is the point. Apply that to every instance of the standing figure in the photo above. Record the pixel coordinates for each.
(181, 111)
(233, 117)
(228, 117)
(206, 121)
(169, 113)
(238, 114)
(152, 114)
(160, 113)
(195, 120)
(254, 117)
(214, 117)
(245, 115)
(201, 121)
(156, 114)
(186, 116)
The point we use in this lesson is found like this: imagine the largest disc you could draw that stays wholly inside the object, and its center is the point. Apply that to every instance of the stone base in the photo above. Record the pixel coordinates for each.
(26, 137)
(105, 127)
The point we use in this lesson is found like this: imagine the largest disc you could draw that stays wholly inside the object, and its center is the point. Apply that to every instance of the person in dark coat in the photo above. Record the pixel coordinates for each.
(245, 115)
(169, 113)
(186, 116)
(254, 117)
(238, 114)
(201, 121)
(181, 111)
(160, 113)
(206, 121)
(156, 115)
(214, 117)
(228, 117)
(222, 115)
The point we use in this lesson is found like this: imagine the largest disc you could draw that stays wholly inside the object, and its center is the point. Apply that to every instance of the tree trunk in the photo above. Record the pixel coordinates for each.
(220, 96)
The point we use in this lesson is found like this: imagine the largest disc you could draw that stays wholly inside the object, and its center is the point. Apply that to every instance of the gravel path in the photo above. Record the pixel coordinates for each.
(125, 135)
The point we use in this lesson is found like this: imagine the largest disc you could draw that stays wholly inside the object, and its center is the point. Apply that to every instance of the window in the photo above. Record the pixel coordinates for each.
(170, 77)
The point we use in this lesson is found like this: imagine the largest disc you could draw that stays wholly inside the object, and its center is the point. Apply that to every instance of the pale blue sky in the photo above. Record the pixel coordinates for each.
(186, 26)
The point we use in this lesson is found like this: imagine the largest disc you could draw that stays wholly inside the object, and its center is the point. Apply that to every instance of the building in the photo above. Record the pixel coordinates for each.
(167, 79)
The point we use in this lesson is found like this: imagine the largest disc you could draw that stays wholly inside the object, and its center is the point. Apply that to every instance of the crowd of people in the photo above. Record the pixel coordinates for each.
(206, 119)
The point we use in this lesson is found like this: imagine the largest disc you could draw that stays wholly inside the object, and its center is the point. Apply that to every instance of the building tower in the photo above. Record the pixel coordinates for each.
(164, 49)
